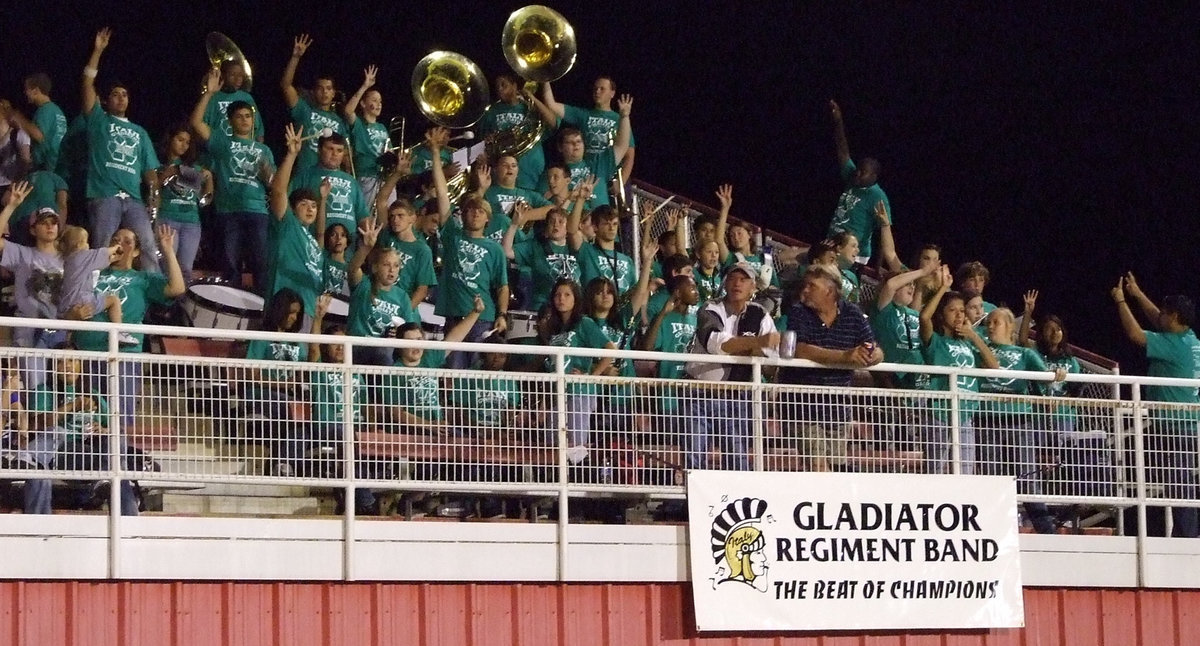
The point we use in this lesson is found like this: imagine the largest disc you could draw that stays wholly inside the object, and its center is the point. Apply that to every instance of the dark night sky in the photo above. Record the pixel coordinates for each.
(1050, 140)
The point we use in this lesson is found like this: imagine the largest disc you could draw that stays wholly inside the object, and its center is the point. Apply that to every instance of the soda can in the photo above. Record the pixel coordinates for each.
(787, 344)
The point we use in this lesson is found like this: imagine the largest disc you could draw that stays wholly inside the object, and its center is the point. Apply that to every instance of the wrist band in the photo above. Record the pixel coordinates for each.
(90, 72)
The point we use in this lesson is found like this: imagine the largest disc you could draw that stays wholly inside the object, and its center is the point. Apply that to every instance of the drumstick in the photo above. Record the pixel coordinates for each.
(656, 210)
(323, 132)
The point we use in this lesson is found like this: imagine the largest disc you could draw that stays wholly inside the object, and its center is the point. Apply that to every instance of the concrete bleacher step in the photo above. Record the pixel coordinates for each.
(199, 458)
(194, 502)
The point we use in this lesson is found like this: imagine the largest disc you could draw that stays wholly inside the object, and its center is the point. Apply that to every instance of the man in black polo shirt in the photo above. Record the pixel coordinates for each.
(829, 330)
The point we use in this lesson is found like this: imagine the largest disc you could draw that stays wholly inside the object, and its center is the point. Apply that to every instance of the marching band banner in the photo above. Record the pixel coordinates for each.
(833, 551)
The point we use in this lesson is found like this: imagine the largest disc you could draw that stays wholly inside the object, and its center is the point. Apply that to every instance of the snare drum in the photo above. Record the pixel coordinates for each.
(433, 325)
(522, 326)
(339, 310)
(222, 307)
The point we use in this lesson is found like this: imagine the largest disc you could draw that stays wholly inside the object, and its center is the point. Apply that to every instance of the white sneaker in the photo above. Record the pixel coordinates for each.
(126, 338)
(577, 454)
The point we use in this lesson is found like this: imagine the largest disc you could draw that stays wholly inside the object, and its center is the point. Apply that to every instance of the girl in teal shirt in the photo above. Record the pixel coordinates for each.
(184, 186)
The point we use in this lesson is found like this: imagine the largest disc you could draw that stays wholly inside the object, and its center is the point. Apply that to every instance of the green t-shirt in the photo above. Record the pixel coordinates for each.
(1012, 357)
(599, 128)
(333, 274)
(1173, 354)
(952, 352)
(275, 351)
(487, 395)
(547, 262)
(658, 300)
(369, 141)
(297, 260)
(47, 399)
(372, 316)
(501, 117)
(416, 261)
(314, 120)
(44, 195)
(235, 167)
(850, 284)
(180, 203)
(422, 159)
(756, 261)
(217, 120)
(601, 166)
(586, 334)
(415, 389)
(709, 286)
(898, 331)
(328, 400)
(119, 152)
(470, 266)
(73, 154)
(675, 335)
(623, 340)
(345, 205)
(1070, 365)
(136, 289)
(596, 262)
(502, 201)
(49, 118)
(856, 210)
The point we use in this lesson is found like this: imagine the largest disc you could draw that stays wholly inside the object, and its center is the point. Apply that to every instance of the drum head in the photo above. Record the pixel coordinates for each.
(339, 306)
(427, 315)
(224, 298)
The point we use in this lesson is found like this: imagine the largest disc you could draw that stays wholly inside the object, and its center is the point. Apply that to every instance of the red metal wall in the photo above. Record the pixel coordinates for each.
(247, 614)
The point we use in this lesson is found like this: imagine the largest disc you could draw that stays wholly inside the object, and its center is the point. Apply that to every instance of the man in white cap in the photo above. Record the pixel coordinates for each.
(734, 325)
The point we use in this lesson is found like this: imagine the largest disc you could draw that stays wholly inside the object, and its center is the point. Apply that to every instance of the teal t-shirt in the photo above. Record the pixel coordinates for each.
(369, 141)
(623, 340)
(415, 389)
(47, 399)
(345, 205)
(333, 274)
(756, 261)
(586, 334)
(73, 156)
(708, 285)
(487, 395)
(119, 152)
(1173, 354)
(501, 117)
(297, 260)
(658, 300)
(328, 398)
(215, 113)
(275, 351)
(372, 316)
(1070, 365)
(235, 167)
(599, 128)
(952, 352)
(898, 331)
(547, 262)
(675, 336)
(502, 201)
(44, 195)
(49, 118)
(470, 266)
(856, 210)
(422, 159)
(416, 261)
(596, 262)
(180, 203)
(602, 166)
(850, 285)
(136, 289)
(1012, 357)
(314, 120)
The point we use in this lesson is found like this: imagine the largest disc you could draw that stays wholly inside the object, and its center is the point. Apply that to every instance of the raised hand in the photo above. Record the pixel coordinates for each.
(325, 188)
(1131, 285)
(293, 136)
(649, 250)
(369, 75)
(585, 188)
(369, 235)
(673, 217)
(483, 176)
(435, 138)
(212, 82)
(520, 213)
(403, 163)
(835, 111)
(300, 45)
(102, 38)
(625, 105)
(725, 196)
(947, 279)
(17, 193)
(166, 237)
(882, 215)
(323, 302)
(1030, 301)
(1118, 293)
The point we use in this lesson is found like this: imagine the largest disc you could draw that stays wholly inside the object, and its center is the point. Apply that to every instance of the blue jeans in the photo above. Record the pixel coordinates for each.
(187, 244)
(107, 214)
(245, 235)
(719, 418)
(42, 449)
(464, 360)
(35, 370)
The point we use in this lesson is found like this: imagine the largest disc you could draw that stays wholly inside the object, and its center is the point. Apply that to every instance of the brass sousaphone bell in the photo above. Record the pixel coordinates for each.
(220, 49)
(539, 45)
(451, 91)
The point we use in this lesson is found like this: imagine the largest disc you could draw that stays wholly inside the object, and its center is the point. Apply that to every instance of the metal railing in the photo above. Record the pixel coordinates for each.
(536, 430)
